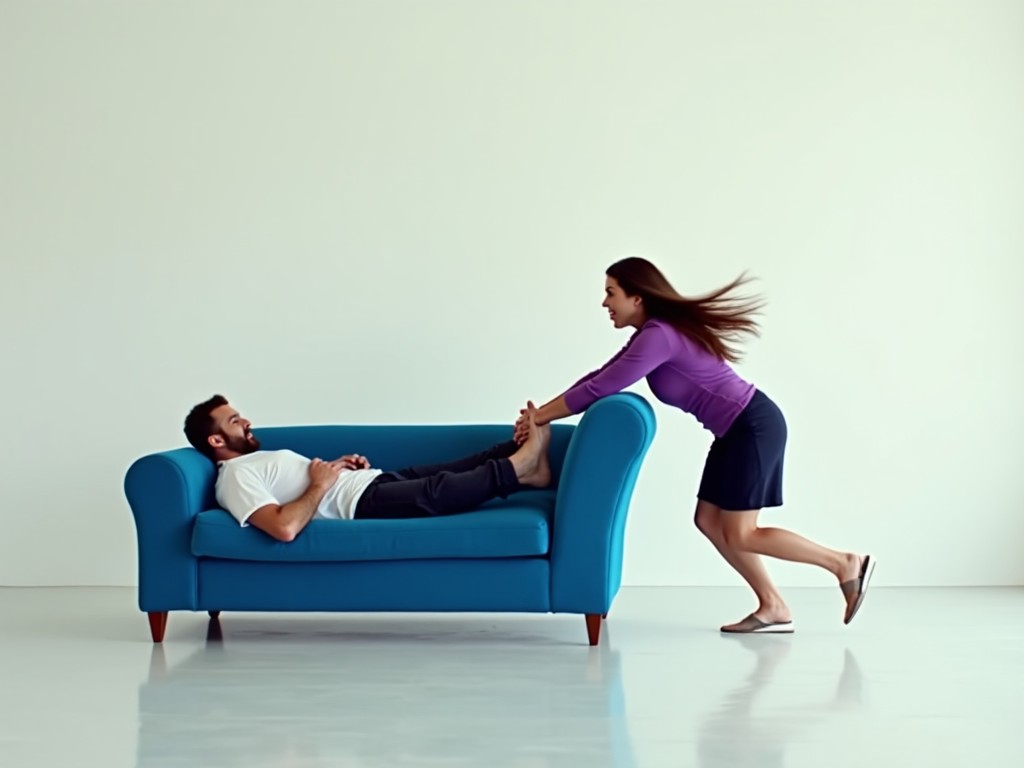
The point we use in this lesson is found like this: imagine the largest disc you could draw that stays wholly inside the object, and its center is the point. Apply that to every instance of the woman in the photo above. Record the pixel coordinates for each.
(684, 346)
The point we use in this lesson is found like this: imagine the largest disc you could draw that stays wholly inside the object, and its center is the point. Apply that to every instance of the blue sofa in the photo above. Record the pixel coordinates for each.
(556, 550)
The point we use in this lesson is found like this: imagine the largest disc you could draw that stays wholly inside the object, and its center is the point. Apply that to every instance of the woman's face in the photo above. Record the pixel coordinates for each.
(622, 309)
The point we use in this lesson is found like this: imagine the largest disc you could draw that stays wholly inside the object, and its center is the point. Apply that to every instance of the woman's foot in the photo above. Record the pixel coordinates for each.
(854, 575)
(767, 618)
(755, 626)
(849, 567)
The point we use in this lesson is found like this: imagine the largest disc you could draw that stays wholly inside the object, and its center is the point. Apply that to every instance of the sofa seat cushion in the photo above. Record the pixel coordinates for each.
(502, 529)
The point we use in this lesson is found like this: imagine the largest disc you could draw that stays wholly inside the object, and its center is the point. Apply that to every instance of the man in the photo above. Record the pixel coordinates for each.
(279, 492)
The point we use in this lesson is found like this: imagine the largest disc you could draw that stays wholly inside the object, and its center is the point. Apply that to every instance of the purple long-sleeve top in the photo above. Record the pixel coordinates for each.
(679, 371)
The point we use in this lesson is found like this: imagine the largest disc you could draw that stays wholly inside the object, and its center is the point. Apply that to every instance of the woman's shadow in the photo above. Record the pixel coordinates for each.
(746, 730)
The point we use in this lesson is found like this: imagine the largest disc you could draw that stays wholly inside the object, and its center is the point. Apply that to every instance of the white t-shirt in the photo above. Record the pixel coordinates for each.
(246, 483)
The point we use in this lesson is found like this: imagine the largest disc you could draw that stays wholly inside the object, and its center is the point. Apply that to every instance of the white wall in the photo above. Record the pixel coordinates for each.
(401, 212)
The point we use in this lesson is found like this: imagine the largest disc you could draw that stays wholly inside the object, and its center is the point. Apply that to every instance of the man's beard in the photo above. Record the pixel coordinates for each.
(243, 445)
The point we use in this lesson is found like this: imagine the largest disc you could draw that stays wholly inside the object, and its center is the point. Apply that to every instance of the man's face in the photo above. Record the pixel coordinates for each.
(231, 432)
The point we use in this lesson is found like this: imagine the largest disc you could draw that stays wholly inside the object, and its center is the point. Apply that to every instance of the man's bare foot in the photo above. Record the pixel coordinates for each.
(531, 460)
(544, 470)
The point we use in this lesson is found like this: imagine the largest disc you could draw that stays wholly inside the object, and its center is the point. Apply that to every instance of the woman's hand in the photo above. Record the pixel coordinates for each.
(522, 428)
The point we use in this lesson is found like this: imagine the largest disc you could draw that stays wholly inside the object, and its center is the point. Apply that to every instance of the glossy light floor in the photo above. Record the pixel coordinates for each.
(923, 677)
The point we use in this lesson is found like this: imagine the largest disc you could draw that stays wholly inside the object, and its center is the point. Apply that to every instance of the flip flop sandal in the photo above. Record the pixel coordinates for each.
(753, 625)
(858, 587)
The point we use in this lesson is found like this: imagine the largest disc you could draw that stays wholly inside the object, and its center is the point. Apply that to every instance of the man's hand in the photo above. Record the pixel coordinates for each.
(353, 461)
(285, 521)
(322, 474)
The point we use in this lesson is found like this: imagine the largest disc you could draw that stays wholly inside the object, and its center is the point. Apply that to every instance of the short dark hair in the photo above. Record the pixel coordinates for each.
(199, 424)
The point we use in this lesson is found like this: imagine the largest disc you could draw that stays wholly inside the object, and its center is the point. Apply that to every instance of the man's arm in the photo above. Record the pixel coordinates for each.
(285, 521)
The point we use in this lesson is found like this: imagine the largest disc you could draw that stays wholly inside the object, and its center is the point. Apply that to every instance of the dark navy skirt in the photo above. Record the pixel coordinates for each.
(744, 466)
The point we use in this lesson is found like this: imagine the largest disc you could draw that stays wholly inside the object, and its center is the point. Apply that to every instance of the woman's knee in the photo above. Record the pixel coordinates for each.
(734, 538)
(738, 532)
(708, 520)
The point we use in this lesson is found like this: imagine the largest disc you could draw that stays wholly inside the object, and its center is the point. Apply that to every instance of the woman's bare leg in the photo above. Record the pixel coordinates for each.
(741, 533)
(771, 606)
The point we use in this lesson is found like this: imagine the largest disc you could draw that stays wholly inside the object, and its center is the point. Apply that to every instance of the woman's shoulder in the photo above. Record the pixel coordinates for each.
(657, 322)
(679, 341)
(656, 325)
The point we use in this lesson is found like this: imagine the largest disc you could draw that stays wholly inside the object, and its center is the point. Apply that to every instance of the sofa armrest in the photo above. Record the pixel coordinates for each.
(165, 492)
(598, 477)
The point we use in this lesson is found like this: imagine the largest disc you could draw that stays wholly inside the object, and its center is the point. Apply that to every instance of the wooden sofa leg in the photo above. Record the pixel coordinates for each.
(593, 627)
(158, 625)
(214, 614)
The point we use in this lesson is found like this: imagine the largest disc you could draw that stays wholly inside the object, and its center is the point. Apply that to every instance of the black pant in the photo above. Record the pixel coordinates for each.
(441, 489)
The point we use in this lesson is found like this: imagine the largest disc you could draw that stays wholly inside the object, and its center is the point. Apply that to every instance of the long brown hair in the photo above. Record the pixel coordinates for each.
(715, 320)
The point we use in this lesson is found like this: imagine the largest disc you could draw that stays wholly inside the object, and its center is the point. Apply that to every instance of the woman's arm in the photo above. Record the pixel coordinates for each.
(646, 350)
(649, 348)
(552, 411)
(556, 409)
